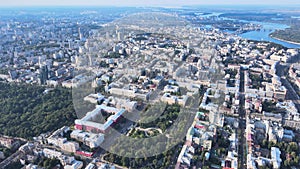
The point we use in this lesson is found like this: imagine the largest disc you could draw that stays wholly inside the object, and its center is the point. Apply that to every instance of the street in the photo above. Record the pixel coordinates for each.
(242, 124)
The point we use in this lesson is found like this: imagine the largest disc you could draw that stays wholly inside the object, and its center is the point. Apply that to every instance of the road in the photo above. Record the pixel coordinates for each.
(10, 159)
(242, 124)
(282, 70)
(149, 129)
(291, 93)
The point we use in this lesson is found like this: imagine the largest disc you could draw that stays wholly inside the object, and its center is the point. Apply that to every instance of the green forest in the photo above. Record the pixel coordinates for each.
(290, 34)
(26, 111)
(161, 161)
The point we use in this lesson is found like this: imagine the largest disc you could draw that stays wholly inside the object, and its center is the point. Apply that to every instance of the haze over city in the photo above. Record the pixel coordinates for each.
(142, 3)
(164, 84)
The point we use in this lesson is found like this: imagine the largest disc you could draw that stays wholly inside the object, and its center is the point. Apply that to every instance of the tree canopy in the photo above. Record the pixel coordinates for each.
(26, 111)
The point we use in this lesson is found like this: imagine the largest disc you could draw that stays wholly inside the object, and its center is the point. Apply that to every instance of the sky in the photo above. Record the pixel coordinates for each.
(163, 3)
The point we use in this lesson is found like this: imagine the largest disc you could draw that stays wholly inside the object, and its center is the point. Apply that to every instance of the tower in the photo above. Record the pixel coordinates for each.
(90, 60)
(80, 34)
(70, 44)
(119, 36)
(43, 74)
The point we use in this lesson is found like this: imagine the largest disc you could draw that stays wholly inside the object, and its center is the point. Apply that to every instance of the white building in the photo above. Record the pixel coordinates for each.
(171, 89)
(51, 153)
(171, 99)
(74, 165)
(87, 123)
(275, 157)
(90, 166)
(90, 139)
(94, 98)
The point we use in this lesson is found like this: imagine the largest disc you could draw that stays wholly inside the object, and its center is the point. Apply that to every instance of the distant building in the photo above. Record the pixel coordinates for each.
(56, 139)
(51, 153)
(90, 166)
(130, 93)
(158, 80)
(171, 99)
(94, 98)
(275, 157)
(77, 81)
(171, 89)
(185, 156)
(2, 155)
(9, 142)
(13, 74)
(272, 117)
(44, 75)
(284, 58)
(89, 139)
(32, 166)
(106, 166)
(70, 146)
(74, 165)
(126, 104)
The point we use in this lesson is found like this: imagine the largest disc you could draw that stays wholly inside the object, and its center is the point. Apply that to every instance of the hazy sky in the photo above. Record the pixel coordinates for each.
(141, 2)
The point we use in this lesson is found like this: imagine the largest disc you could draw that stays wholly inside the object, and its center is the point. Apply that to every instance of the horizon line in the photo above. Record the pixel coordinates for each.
(148, 6)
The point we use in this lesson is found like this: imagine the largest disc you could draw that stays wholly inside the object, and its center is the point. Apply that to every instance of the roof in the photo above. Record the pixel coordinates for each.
(90, 166)
(86, 119)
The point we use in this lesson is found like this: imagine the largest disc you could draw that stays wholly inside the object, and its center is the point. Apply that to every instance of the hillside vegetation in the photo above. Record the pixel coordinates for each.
(26, 111)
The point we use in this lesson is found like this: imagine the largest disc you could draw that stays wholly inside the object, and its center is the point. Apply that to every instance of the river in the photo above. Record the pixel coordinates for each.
(264, 33)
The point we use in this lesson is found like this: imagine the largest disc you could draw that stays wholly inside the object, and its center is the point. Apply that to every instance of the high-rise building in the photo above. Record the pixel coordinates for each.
(80, 34)
(44, 74)
(119, 36)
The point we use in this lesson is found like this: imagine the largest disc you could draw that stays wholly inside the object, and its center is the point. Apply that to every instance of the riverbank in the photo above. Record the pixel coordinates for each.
(295, 43)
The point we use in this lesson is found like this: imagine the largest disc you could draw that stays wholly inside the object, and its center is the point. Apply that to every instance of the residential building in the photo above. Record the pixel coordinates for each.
(89, 139)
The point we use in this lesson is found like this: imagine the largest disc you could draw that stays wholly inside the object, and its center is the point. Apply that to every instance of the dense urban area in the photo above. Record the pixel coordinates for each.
(149, 88)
